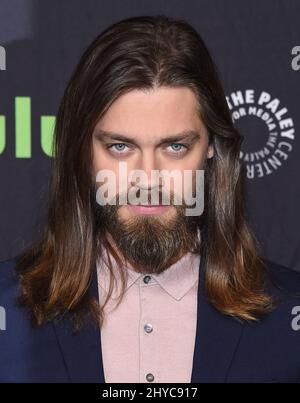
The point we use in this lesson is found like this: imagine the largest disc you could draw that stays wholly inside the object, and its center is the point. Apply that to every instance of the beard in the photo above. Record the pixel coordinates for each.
(149, 243)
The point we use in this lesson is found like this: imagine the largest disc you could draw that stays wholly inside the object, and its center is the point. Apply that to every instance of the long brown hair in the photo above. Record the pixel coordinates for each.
(140, 53)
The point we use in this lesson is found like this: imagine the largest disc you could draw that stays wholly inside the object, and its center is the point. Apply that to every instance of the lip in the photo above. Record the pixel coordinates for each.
(148, 209)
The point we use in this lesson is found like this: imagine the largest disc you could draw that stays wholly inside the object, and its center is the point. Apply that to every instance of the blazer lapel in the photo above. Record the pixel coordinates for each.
(217, 338)
(82, 350)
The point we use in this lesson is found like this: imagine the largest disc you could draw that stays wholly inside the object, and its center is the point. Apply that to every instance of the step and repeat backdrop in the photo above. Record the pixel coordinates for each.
(256, 46)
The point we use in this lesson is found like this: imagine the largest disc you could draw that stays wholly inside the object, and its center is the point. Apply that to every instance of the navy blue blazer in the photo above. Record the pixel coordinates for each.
(226, 349)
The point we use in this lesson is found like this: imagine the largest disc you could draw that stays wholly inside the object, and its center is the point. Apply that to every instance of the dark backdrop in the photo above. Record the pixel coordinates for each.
(251, 42)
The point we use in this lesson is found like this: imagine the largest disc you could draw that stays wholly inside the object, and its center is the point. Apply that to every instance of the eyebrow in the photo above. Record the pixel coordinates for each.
(187, 135)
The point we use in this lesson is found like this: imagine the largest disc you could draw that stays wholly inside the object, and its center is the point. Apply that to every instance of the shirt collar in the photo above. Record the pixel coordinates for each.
(176, 280)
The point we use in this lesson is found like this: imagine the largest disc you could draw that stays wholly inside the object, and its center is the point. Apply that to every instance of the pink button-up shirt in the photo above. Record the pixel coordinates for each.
(150, 336)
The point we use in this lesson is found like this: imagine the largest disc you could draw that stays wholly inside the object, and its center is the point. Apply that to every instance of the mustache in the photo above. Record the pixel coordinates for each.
(148, 198)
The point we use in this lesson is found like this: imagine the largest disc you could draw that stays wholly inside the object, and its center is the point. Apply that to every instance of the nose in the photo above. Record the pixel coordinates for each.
(142, 175)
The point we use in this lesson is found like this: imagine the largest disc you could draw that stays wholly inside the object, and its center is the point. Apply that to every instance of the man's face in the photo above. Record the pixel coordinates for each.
(155, 130)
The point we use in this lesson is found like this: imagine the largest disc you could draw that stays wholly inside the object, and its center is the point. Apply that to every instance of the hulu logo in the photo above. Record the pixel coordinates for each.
(23, 130)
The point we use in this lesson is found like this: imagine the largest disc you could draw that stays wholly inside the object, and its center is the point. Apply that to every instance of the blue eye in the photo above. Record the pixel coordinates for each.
(178, 148)
(118, 147)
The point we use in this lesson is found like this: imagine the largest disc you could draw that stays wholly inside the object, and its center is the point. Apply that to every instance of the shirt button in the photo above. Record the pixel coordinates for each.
(148, 328)
(150, 377)
(147, 279)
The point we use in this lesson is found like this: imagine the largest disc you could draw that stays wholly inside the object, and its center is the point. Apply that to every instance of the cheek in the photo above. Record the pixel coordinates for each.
(195, 160)
(197, 157)
(102, 161)
(98, 158)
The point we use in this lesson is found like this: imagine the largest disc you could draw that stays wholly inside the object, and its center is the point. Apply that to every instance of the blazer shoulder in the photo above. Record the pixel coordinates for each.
(9, 282)
(282, 279)
(7, 268)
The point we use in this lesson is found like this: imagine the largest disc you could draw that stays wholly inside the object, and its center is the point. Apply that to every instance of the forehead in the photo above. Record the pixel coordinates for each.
(156, 112)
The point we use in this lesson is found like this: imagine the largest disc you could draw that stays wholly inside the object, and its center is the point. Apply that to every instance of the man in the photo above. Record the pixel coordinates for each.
(196, 301)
